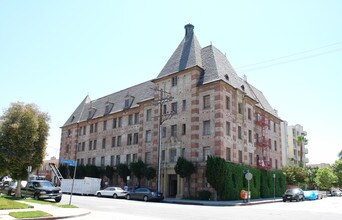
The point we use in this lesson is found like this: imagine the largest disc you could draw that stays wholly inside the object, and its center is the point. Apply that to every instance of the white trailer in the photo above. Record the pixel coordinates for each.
(86, 186)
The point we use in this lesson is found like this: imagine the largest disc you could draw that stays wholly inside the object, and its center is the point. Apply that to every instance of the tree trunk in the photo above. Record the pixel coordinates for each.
(188, 180)
(18, 189)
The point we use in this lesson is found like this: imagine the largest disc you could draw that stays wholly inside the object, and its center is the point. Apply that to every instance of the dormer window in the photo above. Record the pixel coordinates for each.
(243, 87)
(108, 108)
(91, 112)
(128, 101)
(72, 118)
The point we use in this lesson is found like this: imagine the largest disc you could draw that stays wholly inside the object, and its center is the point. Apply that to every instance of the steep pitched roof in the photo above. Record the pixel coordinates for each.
(116, 102)
(187, 54)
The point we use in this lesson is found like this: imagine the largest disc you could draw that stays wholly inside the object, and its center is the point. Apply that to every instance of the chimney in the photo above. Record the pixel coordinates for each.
(189, 30)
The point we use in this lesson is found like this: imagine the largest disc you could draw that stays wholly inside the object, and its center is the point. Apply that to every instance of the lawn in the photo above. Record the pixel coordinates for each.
(9, 204)
(29, 214)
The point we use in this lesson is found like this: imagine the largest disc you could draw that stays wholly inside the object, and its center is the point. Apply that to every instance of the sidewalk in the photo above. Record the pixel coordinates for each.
(222, 203)
(56, 212)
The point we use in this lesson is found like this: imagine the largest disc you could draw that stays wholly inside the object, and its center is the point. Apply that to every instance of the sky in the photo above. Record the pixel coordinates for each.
(55, 53)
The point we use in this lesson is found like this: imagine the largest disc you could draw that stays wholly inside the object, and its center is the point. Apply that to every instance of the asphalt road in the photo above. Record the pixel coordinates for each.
(108, 208)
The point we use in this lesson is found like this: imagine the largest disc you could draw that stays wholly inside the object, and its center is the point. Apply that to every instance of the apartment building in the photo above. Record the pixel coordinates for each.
(196, 106)
(297, 150)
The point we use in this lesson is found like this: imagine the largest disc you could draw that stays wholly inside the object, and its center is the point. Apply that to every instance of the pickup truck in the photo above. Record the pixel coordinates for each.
(43, 189)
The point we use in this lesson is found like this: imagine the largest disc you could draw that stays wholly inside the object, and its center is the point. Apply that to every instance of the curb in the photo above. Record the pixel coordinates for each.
(221, 203)
(57, 217)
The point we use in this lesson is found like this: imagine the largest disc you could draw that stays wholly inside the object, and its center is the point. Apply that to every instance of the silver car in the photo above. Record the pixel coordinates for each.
(115, 192)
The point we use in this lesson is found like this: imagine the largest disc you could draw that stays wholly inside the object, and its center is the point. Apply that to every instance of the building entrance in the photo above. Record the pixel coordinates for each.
(172, 185)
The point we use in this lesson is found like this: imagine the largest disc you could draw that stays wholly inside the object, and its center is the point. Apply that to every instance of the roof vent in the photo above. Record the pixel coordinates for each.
(227, 77)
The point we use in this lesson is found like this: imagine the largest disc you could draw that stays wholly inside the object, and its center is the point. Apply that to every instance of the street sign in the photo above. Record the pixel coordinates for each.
(71, 163)
(245, 171)
(249, 176)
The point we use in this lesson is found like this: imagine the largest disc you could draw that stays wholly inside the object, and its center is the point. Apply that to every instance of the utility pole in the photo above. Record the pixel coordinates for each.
(164, 97)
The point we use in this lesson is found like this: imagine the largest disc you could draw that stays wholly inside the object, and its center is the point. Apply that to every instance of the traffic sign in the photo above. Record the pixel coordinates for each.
(249, 176)
(245, 171)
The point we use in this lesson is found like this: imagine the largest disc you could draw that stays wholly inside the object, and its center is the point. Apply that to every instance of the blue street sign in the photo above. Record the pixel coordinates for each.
(71, 163)
(245, 171)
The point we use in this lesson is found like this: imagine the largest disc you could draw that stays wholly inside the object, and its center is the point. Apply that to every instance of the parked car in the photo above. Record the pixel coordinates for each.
(319, 194)
(145, 194)
(43, 189)
(293, 194)
(9, 187)
(336, 192)
(310, 194)
(115, 192)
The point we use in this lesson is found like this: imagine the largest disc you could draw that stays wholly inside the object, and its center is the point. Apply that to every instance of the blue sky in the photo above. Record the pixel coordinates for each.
(54, 53)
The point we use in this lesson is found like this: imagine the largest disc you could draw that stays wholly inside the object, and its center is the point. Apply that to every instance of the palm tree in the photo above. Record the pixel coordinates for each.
(301, 140)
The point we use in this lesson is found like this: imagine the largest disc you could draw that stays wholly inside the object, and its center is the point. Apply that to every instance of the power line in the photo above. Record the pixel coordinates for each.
(293, 60)
(291, 55)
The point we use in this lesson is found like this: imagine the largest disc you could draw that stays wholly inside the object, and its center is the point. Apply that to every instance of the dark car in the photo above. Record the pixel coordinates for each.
(293, 194)
(145, 194)
(43, 189)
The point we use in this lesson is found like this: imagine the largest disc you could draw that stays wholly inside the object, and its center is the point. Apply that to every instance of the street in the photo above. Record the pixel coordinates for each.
(108, 208)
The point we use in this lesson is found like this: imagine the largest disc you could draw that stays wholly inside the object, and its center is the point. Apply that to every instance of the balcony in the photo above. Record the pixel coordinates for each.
(262, 142)
(261, 120)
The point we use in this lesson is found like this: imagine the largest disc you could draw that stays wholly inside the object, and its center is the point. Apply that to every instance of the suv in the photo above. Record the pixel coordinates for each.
(336, 192)
(293, 194)
(43, 189)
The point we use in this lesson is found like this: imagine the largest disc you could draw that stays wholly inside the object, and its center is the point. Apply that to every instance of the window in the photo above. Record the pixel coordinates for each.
(84, 130)
(104, 125)
(69, 133)
(174, 81)
(228, 128)
(174, 107)
(117, 160)
(120, 122)
(270, 143)
(206, 153)
(228, 102)
(184, 105)
(183, 152)
(93, 161)
(67, 149)
(79, 147)
(90, 145)
(128, 159)
(80, 131)
(130, 119)
(164, 109)
(250, 136)
(82, 161)
(127, 103)
(183, 129)
(135, 138)
(250, 158)
(172, 155)
(163, 132)
(89, 161)
(118, 141)
(148, 157)
(206, 101)
(174, 130)
(136, 118)
(112, 158)
(113, 141)
(240, 108)
(103, 143)
(206, 127)
(94, 144)
(228, 154)
(163, 155)
(108, 108)
(249, 113)
(239, 132)
(102, 161)
(135, 157)
(240, 156)
(149, 115)
(275, 127)
(114, 122)
(148, 137)
(129, 139)
(276, 164)
(91, 128)
(275, 146)
(95, 127)
(83, 146)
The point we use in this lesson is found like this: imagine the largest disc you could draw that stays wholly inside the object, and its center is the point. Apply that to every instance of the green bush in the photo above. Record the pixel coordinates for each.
(204, 195)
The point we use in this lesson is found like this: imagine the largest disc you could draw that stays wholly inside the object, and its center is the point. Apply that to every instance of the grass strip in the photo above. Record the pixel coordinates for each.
(29, 214)
(9, 204)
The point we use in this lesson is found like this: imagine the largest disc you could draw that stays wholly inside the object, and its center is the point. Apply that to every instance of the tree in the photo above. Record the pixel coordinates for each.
(138, 169)
(325, 178)
(23, 136)
(217, 174)
(301, 140)
(185, 169)
(123, 171)
(150, 174)
(295, 174)
(337, 170)
(312, 171)
(109, 173)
